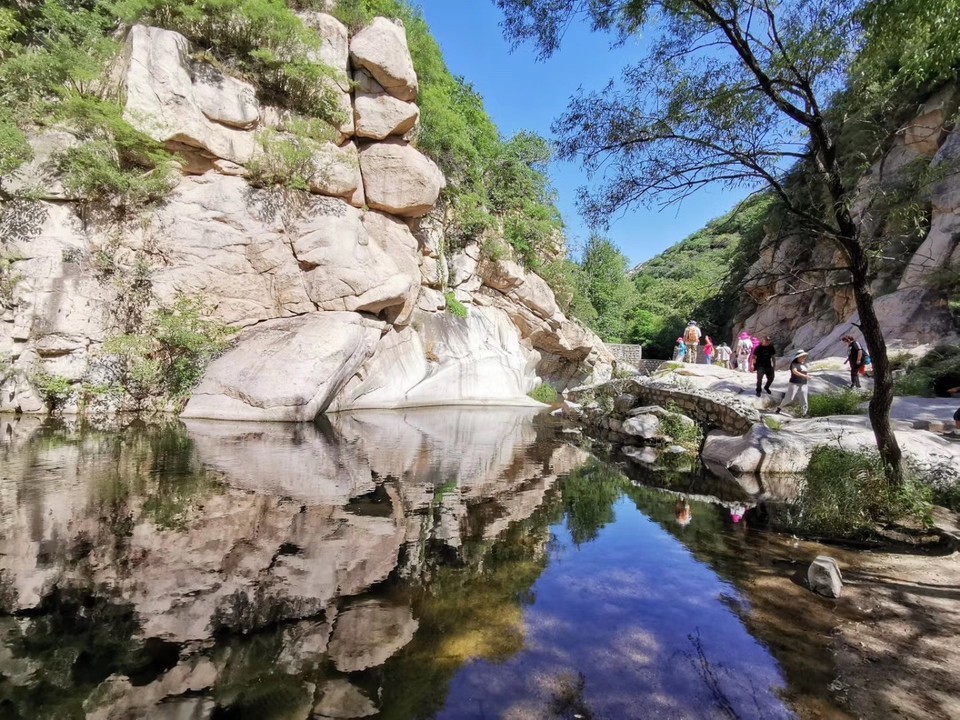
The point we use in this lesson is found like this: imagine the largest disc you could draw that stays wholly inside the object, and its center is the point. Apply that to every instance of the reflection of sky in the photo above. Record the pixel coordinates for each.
(646, 624)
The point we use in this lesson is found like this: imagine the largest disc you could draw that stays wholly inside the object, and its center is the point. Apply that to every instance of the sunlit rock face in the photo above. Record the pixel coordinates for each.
(910, 309)
(361, 237)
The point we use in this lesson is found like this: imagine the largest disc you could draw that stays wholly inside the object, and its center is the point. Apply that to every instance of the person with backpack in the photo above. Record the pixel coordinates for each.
(856, 357)
(691, 338)
(764, 361)
(723, 355)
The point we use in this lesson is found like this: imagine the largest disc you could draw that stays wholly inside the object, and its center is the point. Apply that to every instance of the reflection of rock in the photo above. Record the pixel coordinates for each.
(119, 699)
(341, 699)
(368, 633)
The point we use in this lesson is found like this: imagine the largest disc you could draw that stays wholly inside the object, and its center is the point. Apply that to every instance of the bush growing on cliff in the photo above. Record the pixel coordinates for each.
(544, 393)
(168, 357)
(454, 306)
(55, 390)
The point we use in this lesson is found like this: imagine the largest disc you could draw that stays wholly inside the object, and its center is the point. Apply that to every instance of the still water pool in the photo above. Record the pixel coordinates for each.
(456, 563)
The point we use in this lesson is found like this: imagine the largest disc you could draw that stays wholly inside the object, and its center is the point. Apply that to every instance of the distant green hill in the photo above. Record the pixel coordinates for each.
(698, 279)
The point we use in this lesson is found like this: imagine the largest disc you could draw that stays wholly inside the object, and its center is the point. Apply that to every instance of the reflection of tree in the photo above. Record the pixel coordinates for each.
(568, 700)
(588, 497)
(74, 643)
(468, 612)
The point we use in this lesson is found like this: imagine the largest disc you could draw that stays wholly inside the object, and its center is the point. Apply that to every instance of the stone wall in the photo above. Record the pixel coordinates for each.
(715, 410)
(632, 354)
(711, 409)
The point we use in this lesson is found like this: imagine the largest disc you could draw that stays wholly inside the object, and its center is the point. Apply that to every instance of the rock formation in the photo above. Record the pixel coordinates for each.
(910, 310)
(340, 292)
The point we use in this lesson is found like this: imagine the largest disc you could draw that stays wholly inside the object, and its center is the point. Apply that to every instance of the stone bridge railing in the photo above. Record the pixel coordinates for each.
(711, 409)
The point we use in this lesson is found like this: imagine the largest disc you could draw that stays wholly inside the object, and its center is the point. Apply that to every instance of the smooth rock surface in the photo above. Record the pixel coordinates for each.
(823, 577)
(398, 179)
(381, 49)
(287, 370)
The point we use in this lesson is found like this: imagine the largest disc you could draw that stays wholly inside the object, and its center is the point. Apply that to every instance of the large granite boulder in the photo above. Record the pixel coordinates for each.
(162, 101)
(378, 115)
(444, 360)
(381, 49)
(398, 179)
(337, 173)
(288, 369)
(359, 262)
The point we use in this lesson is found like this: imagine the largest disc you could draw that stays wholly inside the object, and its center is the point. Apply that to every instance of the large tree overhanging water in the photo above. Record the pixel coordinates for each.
(735, 92)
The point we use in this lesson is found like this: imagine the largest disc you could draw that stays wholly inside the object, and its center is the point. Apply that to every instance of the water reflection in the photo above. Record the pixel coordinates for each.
(407, 564)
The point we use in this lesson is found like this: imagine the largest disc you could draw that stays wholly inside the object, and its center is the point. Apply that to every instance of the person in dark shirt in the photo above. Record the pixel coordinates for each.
(763, 358)
(855, 358)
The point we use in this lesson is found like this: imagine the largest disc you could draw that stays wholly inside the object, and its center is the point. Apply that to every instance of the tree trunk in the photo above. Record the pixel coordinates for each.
(882, 399)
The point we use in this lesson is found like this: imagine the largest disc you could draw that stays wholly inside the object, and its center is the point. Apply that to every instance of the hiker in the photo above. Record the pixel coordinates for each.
(723, 355)
(797, 387)
(856, 358)
(691, 336)
(764, 357)
(708, 350)
(744, 348)
(680, 350)
(956, 415)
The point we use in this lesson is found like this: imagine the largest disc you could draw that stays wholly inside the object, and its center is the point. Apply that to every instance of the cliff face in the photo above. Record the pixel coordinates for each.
(341, 288)
(925, 157)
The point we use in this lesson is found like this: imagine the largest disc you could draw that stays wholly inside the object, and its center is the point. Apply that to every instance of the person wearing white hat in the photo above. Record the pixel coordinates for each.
(797, 387)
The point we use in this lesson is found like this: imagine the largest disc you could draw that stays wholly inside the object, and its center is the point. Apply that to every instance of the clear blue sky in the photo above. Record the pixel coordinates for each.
(521, 93)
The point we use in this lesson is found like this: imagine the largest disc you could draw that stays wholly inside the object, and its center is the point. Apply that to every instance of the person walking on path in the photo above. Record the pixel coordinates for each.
(744, 348)
(708, 350)
(956, 416)
(855, 357)
(797, 387)
(763, 361)
(691, 337)
(723, 355)
(680, 350)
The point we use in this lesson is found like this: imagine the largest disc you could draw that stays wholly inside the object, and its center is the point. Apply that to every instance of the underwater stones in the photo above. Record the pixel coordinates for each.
(368, 633)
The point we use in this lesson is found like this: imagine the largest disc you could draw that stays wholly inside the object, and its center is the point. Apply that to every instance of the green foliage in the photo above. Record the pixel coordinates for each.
(608, 289)
(841, 402)
(54, 390)
(589, 493)
(908, 44)
(167, 357)
(698, 278)
(454, 306)
(684, 434)
(845, 494)
(14, 149)
(934, 374)
(285, 162)
(544, 393)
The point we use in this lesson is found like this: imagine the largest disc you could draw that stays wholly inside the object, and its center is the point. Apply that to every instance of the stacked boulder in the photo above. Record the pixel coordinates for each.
(341, 292)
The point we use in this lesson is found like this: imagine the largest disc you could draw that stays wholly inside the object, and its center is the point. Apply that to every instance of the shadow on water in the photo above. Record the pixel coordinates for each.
(408, 564)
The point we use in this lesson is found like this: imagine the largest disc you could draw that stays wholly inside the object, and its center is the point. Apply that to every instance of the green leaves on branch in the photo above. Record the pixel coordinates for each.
(167, 358)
